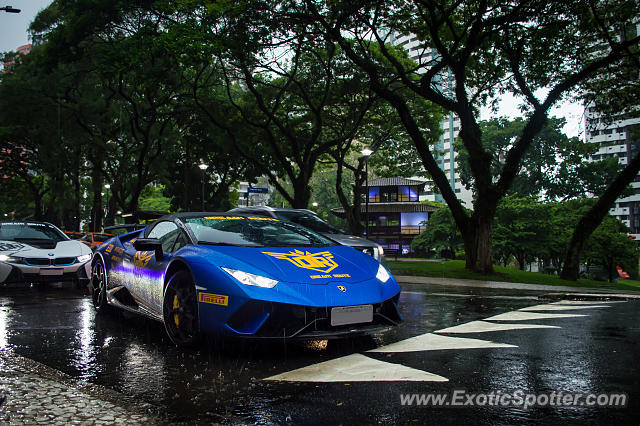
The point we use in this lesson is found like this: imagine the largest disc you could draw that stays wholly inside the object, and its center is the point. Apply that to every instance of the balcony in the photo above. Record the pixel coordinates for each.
(396, 230)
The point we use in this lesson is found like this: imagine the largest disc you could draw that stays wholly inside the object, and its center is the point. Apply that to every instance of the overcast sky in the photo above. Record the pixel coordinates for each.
(13, 26)
(13, 33)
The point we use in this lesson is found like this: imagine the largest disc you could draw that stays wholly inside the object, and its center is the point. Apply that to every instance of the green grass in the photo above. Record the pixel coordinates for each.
(456, 269)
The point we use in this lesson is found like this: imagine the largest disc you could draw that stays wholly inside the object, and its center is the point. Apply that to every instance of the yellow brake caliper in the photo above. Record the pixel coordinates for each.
(176, 305)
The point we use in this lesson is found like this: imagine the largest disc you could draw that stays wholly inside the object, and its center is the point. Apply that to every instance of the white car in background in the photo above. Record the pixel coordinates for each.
(32, 252)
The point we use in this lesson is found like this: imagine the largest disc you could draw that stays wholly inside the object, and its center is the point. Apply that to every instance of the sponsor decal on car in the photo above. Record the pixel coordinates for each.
(321, 262)
(240, 218)
(142, 258)
(342, 288)
(214, 299)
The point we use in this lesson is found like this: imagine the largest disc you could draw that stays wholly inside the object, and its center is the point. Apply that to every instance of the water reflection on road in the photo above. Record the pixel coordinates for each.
(222, 380)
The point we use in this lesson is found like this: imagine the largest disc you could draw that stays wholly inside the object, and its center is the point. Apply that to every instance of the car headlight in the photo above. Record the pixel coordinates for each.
(84, 258)
(382, 274)
(251, 279)
(10, 259)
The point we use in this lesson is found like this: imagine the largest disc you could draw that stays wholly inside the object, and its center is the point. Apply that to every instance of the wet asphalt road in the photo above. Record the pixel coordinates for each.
(223, 381)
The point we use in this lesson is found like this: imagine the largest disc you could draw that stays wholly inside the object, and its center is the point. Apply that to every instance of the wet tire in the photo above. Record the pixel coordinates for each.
(180, 310)
(99, 287)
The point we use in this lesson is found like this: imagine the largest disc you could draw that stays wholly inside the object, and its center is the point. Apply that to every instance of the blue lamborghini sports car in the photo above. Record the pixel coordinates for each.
(244, 276)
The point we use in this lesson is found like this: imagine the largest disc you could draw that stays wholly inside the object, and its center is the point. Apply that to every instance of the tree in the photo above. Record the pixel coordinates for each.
(440, 233)
(610, 246)
(518, 226)
(553, 167)
(488, 48)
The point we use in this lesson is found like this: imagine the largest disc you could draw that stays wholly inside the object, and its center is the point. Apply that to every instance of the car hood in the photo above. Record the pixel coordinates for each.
(69, 248)
(351, 240)
(312, 265)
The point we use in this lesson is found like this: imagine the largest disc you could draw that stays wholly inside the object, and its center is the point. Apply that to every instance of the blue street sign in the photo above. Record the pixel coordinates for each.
(257, 190)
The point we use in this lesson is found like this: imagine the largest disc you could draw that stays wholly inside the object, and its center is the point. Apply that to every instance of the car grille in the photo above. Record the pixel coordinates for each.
(37, 261)
(64, 261)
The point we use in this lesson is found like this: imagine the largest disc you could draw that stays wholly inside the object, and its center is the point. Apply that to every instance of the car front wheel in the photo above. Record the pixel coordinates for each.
(99, 287)
(180, 310)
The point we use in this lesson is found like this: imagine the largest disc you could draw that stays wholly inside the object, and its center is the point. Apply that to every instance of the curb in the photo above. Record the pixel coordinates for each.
(454, 282)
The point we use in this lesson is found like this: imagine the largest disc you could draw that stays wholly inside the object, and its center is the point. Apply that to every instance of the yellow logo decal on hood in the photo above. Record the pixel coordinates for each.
(322, 262)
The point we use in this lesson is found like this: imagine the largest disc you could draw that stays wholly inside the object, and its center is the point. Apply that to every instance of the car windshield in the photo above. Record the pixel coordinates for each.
(101, 237)
(253, 232)
(30, 231)
(310, 221)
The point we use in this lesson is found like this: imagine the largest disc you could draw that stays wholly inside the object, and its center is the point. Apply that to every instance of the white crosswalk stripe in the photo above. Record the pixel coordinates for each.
(357, 368)
(560, 307)
(434, 342)
(526, 316)
(587, 302)
(485, 327)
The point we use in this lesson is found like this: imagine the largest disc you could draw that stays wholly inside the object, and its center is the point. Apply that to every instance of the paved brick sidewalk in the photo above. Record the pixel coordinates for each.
(31, 393)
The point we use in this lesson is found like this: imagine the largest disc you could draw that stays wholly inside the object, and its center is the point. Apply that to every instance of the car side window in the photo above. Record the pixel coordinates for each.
(167, 233)
(181, 241)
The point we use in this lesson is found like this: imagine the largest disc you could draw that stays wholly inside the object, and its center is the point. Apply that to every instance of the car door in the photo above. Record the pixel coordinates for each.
(167, 233)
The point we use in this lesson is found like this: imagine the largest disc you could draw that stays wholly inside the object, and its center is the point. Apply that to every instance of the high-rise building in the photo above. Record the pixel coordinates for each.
(22, 50)
(616, 140)
(444, 149)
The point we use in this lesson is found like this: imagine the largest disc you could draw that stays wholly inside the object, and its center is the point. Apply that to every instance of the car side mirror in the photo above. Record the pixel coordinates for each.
(149, 244)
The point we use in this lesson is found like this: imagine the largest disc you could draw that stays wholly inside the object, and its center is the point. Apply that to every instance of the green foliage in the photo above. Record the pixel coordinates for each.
(440, 233)
(517, 230)
(553, 165)
(609, 246)
(152, 199)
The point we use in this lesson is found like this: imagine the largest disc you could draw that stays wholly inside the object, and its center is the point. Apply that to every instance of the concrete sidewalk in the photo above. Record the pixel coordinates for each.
(32, 393)
(452, 282)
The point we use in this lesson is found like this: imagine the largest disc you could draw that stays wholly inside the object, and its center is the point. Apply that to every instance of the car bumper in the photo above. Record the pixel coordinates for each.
(271, 320)
(19, 273)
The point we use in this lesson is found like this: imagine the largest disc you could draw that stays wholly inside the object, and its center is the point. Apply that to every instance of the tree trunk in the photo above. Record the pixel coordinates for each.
(186, 176)
(301, 193)
(352, 212)
(477, 243)
(590, 221)
(611, 268)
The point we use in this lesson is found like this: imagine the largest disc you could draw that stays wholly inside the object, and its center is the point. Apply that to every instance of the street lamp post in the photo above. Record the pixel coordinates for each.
(10, 9)
(203, 167)
(107, 187)
(366, 152)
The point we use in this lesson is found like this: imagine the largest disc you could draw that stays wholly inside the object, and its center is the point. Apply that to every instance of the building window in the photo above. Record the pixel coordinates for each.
(408, 193)
(374, 194)
(389, 194)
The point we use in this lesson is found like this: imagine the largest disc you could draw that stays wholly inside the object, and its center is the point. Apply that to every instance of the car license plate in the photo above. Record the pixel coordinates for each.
(51, 271)
(351, 314)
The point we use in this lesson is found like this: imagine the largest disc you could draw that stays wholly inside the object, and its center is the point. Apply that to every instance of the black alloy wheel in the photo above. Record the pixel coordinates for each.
(180, 310)
(99, 287)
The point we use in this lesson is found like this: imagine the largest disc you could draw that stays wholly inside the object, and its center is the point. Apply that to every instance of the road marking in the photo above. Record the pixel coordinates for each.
(526, 316)
(586, 302)
(560, 307)
(357, 368)
(475, 296)
(484, 327)
(434, 342)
